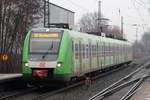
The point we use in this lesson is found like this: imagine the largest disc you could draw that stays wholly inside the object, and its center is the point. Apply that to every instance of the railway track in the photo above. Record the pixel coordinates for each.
(126, 81)
(18, 93)
(53, 92)
(134, 88)
(45, 95)
(56, 91)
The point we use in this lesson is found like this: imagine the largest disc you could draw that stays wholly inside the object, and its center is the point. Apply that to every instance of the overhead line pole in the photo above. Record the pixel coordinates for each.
(122, 27)
(99, 17)
(136, 45)
(136, 35)
(44, 12)
(48, 15)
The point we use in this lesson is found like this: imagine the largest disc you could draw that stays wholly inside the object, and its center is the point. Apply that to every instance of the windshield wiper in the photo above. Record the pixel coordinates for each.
(51, 47)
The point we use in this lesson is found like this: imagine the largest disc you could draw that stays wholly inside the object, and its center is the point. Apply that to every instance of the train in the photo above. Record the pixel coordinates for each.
(62, 54)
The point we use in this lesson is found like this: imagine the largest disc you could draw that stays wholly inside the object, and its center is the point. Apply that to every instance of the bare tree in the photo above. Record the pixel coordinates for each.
(142, 48)
(146, 41)
(113, 31)
(16, 18)
(89, 23)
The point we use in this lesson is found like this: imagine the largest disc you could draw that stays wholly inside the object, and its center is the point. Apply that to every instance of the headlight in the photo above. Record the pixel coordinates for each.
(26, 64)
(59, 64)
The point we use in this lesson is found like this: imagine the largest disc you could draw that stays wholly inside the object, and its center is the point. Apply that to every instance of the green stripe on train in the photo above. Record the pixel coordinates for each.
(26, 70)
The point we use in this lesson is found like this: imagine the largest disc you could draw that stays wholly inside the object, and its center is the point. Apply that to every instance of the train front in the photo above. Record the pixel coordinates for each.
(41, 49)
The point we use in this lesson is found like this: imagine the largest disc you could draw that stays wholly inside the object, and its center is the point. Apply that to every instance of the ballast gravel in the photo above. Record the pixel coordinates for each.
(84, 93)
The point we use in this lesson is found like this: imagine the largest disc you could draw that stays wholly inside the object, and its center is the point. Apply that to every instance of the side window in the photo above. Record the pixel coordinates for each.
(87, 52)
(72, 46)
(83, 46)
(107, 48)
(102, 47)
(117, 48)
(99, 48)
(92, 49)
(95, 49)
(76, 49)
(80, 52)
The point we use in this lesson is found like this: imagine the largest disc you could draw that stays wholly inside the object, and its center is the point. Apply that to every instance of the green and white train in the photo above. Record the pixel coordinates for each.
(61, 54)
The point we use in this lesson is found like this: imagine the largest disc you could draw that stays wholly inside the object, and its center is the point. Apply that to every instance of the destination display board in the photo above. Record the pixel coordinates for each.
(45, 35)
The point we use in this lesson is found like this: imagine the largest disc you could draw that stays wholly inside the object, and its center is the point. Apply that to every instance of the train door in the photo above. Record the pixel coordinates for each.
(90, 54)
(92, 51)
(121, 52)
(125, 52)
(106, 54)
(76, 58)
(113, 53)
(98, 56)
(118, 53)
(93, 45)
(110, 54)
(86, 59)
(83, 56)
(80, 57)
(128, 52)
(99, 53)
(102, 54)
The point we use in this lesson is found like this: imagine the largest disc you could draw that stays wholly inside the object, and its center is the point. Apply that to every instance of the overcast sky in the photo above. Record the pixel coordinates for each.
(133, 11)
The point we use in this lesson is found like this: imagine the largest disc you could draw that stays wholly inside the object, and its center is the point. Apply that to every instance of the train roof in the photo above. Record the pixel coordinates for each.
(81, 35)
(95, 37)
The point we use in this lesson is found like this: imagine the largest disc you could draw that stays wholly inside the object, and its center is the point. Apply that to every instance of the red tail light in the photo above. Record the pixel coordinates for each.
(40, 73)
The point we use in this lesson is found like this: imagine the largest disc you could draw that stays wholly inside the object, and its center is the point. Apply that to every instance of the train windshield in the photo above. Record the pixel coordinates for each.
(44, 46)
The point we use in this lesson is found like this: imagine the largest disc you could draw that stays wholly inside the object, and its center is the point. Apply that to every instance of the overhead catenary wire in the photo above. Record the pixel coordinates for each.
(141, 4)
(136, 3)
(137, 9)
(77, 5)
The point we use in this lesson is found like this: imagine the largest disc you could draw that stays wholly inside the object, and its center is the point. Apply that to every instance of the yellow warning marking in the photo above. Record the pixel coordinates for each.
(75, 39)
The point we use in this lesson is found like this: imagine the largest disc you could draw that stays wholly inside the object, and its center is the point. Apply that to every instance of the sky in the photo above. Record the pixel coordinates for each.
(133, 12)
